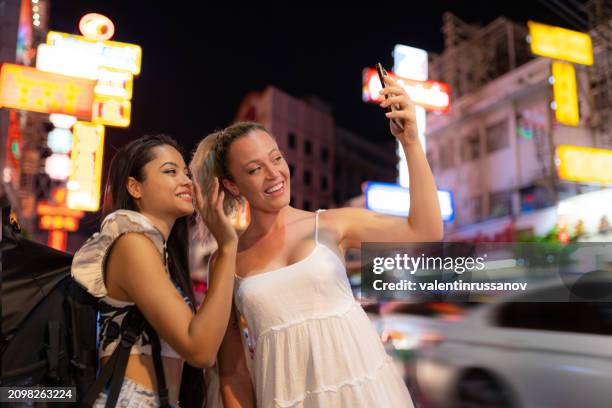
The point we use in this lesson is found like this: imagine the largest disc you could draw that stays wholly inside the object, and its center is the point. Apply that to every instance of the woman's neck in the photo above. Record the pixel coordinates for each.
(162, 224)
(264, 222)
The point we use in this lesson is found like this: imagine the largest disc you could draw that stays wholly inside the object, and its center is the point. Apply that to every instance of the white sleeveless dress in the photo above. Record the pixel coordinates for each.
(314, 346)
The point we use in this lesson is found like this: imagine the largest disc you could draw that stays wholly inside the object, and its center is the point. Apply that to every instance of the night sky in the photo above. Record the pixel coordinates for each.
(198, 63)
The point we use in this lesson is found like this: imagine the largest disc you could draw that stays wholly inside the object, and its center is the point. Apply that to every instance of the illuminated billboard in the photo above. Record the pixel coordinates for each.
(584, 164)
(393, 199)
(111, 112)
(107, 54)
(57, 217)
(565, 93)
(412, 63)
(112, 64)
(432, 95)
(560, 43)
(86, 175)
(29, 89)
(115, 84)
(66, 62)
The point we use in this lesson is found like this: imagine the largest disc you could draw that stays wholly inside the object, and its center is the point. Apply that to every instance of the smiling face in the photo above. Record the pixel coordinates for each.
(259, 171)
(166, 189)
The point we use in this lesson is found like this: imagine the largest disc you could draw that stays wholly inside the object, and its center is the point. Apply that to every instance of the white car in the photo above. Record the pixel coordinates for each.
(517, 354)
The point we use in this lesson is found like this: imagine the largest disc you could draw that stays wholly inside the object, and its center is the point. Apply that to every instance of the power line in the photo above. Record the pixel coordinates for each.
(571, 13)
(577, 23)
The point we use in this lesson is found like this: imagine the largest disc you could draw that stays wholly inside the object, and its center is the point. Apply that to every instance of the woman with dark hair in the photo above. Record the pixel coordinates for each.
(310, 343)
(139, 259)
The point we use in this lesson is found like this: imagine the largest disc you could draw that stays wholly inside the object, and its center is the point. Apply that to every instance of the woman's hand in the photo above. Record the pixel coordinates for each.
(211, 211)
(406, 115)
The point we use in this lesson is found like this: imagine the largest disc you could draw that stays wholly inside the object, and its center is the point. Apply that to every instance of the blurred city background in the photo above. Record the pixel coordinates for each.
(514, 108)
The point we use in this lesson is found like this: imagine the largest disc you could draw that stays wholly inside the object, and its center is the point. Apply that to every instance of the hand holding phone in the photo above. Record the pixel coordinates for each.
(382, 73)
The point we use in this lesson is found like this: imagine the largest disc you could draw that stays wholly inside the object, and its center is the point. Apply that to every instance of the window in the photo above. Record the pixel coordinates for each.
(569, 317)
(324, 154)
(474, 206)
(428, 309)
(535, 197)
(307, 177)
(291, 170)
(307, 147)
(471, 147)
(292, 140)
(500, 204)
(497, 136)
(447, 158)
(324, 183)
(338, 197)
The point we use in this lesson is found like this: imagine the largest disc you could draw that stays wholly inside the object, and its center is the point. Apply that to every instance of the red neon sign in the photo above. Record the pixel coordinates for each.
(434, 96)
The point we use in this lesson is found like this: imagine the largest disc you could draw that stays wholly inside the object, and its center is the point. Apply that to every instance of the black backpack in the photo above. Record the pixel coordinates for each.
(49, 328)
(40, 301)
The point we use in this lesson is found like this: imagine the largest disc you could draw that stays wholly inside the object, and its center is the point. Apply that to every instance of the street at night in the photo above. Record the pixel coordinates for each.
(306, 207)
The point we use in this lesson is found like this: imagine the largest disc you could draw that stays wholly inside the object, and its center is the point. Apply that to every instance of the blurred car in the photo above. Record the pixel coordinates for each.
(516, 354)
(403, 327)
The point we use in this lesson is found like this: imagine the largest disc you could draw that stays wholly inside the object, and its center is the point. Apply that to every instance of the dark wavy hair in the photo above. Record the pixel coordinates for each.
(129, 161)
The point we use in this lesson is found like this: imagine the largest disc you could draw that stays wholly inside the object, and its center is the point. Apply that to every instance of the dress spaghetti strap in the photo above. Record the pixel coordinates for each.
(317, 225)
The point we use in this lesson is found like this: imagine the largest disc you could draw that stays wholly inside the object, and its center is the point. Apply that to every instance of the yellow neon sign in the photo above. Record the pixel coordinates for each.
(584, 164)
(565, 93)
(114, 84)
(29, 89)
(111, 112)
(85, 179)
(560, 43)
(108, 54)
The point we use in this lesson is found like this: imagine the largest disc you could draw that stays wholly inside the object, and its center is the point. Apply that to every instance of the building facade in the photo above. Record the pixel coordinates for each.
(305, 133)
(495, 149)
(358, 161)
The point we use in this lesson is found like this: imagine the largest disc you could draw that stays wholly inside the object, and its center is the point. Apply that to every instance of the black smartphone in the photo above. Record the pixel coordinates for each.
(381, 74)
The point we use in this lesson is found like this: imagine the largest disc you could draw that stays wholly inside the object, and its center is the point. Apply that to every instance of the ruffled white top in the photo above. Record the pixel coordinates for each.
(314, 346)
(88, 270)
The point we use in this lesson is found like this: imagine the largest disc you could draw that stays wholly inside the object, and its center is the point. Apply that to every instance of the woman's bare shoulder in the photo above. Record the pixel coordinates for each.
(332, 217)
(136, 242)
(134, 248)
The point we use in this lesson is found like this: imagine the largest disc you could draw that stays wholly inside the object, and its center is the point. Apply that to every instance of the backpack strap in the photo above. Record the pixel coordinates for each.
(114, 369)
(83, 310)
(115, 366)
(162, 389)
(134, 328)
(53, 348)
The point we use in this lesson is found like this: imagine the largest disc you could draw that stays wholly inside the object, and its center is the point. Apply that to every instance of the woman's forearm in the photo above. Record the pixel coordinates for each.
(425, 217)
(210, 322)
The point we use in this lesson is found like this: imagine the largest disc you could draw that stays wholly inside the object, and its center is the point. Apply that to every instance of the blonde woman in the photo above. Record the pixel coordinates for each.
(313, 344)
